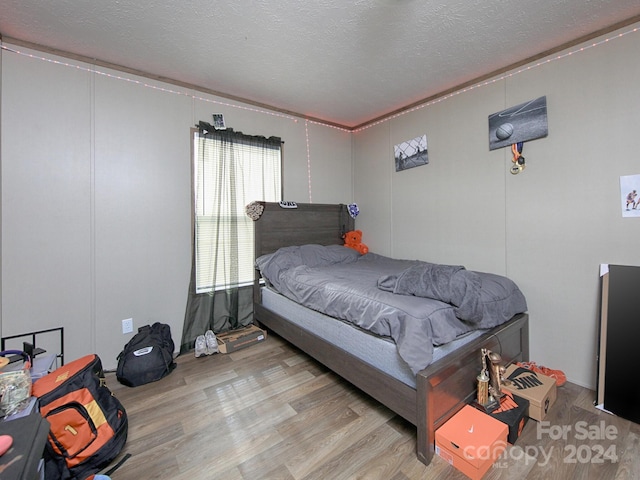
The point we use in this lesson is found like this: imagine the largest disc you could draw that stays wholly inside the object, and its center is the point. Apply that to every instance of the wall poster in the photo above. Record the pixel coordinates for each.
(526, 121)
(629, 195)
(411, 153)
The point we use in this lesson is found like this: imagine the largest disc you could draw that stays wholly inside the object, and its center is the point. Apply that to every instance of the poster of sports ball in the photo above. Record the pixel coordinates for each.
(630, 195)
(521, 123)
(411, 153)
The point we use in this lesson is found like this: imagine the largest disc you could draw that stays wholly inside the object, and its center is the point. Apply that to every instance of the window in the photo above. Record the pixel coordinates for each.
(230, 171)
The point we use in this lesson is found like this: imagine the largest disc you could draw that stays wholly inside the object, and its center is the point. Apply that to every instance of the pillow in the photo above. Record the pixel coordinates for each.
(272, 265)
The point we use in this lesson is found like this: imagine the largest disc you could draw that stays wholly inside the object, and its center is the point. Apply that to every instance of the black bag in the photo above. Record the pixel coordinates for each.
(89, 425)
(147, 357)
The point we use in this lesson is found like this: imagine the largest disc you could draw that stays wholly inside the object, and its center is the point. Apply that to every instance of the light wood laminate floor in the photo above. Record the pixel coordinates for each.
(271, 412)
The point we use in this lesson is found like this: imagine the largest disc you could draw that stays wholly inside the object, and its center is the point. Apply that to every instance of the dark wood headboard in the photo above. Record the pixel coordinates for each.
(322, 224)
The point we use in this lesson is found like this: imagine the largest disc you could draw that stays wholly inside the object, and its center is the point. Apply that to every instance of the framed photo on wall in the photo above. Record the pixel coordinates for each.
(523, 122)
(411, 153)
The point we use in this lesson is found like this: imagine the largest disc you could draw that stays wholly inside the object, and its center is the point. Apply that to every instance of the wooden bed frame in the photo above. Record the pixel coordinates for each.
(441, 390)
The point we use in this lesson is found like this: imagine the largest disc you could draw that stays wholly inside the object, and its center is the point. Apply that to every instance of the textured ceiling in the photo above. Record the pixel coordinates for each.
(345, 62)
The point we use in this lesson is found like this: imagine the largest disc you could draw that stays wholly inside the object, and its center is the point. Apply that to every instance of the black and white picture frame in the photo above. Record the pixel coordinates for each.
(523, 122)
(218, 121)
(411, 153)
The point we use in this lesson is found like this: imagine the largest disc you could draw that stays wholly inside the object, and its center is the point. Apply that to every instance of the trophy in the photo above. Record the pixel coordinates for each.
(483, 383)
(496, 373)
(490, 381)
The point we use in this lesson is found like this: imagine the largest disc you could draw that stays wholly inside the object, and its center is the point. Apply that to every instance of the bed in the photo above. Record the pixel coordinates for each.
(426, 397)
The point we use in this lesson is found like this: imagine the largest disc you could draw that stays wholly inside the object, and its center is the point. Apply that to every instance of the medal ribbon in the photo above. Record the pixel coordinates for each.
(516, 149)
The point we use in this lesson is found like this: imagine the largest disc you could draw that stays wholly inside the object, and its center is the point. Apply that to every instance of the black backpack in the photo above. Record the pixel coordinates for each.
(89, 425)
(147, 357)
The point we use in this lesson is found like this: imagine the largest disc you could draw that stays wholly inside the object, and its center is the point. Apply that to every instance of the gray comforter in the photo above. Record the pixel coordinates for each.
(449, 283)
(341, 283)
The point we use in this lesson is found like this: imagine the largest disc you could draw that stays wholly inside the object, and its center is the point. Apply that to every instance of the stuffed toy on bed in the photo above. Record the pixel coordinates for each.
(353, 239)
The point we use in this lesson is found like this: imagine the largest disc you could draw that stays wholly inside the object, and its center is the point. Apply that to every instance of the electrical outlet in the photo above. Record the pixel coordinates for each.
(127, 325)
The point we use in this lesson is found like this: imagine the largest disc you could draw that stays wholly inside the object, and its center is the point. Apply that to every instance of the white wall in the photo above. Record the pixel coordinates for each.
(96, 216)
(550, 227)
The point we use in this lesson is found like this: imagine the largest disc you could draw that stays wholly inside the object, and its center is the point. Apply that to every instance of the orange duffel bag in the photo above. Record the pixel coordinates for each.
(88, 423)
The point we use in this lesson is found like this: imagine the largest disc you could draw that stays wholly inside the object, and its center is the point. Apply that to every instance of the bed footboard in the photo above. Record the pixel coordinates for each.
(447, 385)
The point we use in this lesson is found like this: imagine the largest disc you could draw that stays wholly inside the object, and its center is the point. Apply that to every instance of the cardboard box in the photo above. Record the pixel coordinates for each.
(471, 441)
(229, 342)
(539, 389)
(513, 412)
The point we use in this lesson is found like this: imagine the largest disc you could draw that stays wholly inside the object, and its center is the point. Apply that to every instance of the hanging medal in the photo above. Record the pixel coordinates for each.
(518, 159)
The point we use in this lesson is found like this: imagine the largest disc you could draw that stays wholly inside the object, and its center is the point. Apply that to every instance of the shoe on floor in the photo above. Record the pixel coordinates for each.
(201, 346)
(212, 343)
(558, 375)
